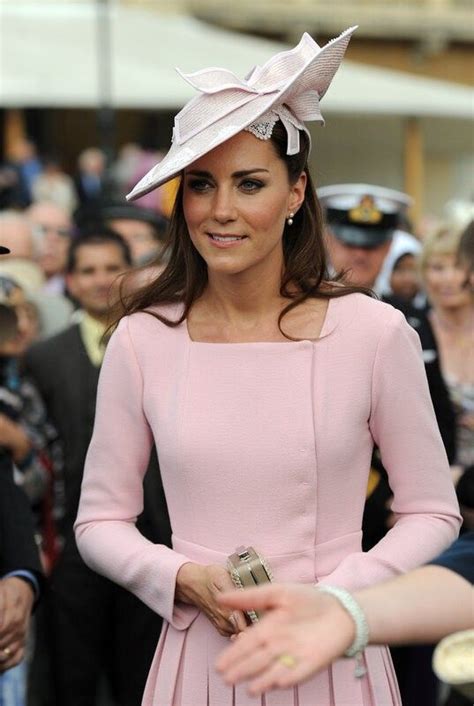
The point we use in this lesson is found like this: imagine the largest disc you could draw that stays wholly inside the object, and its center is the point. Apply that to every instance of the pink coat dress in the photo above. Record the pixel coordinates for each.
(265, 444)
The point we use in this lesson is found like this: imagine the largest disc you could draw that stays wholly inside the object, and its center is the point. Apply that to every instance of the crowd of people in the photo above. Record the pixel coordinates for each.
(209, 434)
(58, 284)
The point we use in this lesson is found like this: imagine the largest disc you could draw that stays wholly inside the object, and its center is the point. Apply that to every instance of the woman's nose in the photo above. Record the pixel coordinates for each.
(224, 206)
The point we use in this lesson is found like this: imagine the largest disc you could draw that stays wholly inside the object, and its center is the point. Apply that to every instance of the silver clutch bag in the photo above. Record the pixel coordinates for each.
(247, 568)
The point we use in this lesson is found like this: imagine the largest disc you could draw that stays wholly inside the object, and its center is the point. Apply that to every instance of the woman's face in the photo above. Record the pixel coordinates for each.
(404, 279)
(445, 282)
(235, 200)
(28, 323)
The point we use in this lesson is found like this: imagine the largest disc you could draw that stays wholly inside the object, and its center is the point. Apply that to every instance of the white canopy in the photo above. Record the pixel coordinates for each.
(49, 58)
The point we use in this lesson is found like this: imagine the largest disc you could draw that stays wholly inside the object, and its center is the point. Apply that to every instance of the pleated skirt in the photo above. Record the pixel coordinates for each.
(183, 674)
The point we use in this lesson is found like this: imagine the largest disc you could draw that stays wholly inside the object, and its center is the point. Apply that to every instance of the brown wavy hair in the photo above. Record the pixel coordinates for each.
(305, 273)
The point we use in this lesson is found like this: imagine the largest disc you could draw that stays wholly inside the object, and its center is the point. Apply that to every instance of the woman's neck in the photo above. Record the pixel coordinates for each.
(238, 310)
(455, 319)
(245, 300)
(454, 332)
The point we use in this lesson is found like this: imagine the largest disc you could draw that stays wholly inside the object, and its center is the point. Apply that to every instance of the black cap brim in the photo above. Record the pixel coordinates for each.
(359, 237)
(131, 212)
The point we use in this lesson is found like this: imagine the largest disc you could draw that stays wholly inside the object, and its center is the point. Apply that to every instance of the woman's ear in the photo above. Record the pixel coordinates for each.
(297, 193)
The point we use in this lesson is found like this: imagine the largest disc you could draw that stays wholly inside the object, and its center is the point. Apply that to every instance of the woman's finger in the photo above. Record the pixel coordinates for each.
(249, 641)
(15, 658)
(239, 620)
(8, 652)
(279, 676)
(251, 665)
(225, 624)
(263, 597)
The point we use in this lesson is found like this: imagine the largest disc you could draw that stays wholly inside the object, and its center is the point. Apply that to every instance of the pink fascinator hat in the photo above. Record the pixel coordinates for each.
(288, 87)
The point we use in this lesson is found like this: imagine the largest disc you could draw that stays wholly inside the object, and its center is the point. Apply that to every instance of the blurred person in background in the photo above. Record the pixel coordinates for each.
(17, 232)
(466, 254)
(360, 224)
(10, 188)
(28, 325)
(147, 159)
(404, 280)
(97, 628)
(90, 180)
(23, 157)
(54, 186)
(399, 281)
(20, 585)
(50, 313)
(125, 166)
(20, 569)
(52, 231)
(465, 485)
(452, 320)
(363, 239)
(94, 262)
(132, 164)
(27, 435)
(142, 228)
(18, 439)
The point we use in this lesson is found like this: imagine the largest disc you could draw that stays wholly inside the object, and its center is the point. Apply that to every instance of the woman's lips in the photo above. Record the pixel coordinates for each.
(226, 241)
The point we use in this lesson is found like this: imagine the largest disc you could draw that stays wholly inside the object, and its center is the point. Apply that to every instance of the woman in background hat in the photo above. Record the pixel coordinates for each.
(27, 439)
(264, 384)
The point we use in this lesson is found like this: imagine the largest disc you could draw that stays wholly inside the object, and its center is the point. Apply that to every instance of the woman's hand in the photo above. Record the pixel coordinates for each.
(200, 586)
(16, 602)
(14, 438)
(302, 632)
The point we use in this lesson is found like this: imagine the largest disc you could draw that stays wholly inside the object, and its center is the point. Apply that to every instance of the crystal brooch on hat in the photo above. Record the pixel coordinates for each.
(263, 129)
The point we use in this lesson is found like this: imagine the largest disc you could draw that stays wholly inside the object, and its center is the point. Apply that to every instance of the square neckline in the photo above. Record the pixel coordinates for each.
(326, 328)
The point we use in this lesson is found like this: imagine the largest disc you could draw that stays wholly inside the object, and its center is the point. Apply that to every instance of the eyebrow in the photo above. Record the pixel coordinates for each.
(235, 175)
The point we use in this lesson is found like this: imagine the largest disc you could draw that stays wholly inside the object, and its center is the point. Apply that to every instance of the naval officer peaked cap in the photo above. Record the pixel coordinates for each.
(363, 215)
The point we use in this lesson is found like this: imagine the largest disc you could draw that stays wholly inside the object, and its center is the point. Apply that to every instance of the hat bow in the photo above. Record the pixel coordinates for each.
(288, 80)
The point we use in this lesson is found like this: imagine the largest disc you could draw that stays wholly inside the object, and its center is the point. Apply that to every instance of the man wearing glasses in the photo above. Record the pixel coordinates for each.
(52, 229)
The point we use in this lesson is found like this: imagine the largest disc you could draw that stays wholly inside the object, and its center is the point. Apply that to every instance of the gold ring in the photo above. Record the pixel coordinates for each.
(6, 651)
(287, 660)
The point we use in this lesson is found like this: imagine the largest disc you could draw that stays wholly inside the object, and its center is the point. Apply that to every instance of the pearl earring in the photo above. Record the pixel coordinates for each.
(289, 220)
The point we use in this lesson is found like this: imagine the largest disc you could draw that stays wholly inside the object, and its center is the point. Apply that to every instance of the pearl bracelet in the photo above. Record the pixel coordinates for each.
(362, 629)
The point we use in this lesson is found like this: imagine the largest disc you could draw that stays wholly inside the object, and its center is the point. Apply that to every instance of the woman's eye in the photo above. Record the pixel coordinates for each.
(251, 185)
(199, 184)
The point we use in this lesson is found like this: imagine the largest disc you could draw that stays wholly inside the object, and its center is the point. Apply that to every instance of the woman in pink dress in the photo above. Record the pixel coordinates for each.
(265, 386)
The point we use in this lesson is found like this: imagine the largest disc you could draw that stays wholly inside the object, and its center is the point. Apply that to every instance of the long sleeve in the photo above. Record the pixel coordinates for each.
(112, 491)
(404, 427)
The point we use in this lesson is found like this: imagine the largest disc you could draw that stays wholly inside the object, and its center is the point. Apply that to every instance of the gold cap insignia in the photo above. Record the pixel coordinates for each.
(365, 212)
